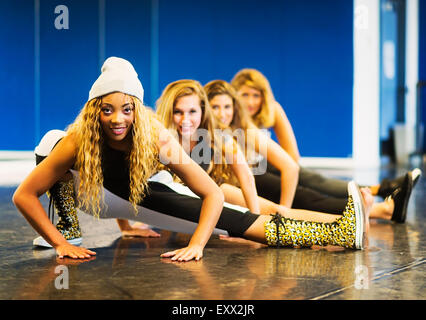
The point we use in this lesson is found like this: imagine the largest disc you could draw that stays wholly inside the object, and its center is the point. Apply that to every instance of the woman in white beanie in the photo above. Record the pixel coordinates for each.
(115, 146)
(114, 139)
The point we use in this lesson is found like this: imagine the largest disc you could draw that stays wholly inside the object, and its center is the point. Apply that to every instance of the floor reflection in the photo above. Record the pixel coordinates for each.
(131, 268)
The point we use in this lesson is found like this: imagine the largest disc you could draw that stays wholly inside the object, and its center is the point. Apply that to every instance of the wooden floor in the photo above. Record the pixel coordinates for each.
(392, 267)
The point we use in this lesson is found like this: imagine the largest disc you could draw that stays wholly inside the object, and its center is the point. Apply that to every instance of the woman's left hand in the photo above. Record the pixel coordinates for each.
(185, 254)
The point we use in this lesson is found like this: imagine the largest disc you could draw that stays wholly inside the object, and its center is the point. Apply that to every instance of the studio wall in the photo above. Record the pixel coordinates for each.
(305, 48)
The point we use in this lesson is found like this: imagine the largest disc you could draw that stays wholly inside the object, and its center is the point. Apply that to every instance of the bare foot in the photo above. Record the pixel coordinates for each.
(383, 210)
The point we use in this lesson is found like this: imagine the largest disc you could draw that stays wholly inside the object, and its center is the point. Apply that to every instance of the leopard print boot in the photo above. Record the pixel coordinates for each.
(346, 231)
(62, 197)
(62, 194)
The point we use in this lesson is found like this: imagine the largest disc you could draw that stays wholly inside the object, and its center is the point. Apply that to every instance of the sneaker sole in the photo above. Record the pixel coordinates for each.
(360, 218)
(40, 242)
(415, 175)
(406, 198)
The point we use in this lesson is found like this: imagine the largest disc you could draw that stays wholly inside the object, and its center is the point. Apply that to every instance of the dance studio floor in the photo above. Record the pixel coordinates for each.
(393, 267)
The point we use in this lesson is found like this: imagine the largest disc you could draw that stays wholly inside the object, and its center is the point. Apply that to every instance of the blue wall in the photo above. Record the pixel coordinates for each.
(17, 74)
(127, 35)
(68, 61)
(305, 48)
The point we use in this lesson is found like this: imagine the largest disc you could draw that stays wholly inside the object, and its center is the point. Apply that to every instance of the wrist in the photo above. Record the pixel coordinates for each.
(60, 242)
(124, 225)
(196, 244)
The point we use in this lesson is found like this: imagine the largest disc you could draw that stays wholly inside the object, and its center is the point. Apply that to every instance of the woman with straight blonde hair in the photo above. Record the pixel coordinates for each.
(193, 124)
(257, 145)
(227, 109)
(255, 92)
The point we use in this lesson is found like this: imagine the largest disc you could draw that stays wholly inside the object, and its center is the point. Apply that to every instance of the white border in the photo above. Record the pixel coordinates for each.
(407, 142)
(411, 60)
(334, 163)
(366, 91)
(17, 155)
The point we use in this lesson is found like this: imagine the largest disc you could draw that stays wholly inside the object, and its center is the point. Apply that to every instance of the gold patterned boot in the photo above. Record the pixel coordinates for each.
(347, 231)
(62, 196)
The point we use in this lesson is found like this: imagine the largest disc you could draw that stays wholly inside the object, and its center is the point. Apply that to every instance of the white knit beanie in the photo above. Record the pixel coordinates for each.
(117, 75)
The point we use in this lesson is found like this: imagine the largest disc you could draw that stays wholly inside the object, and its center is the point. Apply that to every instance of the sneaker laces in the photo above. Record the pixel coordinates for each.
(277, 219)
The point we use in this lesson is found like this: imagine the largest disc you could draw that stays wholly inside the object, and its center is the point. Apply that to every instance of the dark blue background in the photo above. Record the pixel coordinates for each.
(305, 48)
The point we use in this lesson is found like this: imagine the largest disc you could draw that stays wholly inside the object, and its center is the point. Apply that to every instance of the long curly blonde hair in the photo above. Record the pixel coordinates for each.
(89, 137)
(219, 172)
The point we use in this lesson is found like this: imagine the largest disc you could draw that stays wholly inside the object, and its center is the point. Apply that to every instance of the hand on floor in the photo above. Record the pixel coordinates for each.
(68, 250)
(185, 254)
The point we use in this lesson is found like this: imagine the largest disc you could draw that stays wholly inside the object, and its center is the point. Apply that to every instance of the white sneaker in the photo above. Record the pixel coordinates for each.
(360, 214)
(40, 242)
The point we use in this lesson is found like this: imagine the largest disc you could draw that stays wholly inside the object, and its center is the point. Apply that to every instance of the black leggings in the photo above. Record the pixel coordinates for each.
(163, 199)
(268, 186)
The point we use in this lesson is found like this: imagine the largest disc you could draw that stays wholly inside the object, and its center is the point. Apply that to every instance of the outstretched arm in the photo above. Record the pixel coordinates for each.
(285, 133)
(245, 177)
(41, 179)
(281, 160)
(172, 154)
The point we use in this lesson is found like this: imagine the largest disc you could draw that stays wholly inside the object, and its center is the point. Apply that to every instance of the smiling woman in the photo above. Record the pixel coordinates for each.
(116, 118)
(115, 145)
(313, 190)
(222, 106)
(185, 100)
(187, 115)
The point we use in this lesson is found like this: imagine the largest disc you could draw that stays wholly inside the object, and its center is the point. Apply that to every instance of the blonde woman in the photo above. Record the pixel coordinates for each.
(276, 155)
(233, 116)
(185, 110)
(256, 93)
(115, 146)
